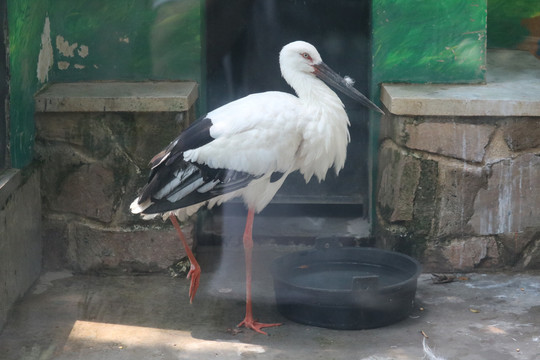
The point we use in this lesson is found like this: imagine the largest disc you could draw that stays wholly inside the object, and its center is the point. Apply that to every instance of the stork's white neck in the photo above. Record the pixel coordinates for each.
(326, 132)
(313, 91)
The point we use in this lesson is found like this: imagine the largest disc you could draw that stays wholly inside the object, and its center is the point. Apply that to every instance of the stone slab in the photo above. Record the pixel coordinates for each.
(462, 254)
(509, 203)
(522, 134)
(457, 140)
(531, 256)
(512, 89)
(458, 186)
(110, 96)
(125, 250)
(448, 136)
(20, 239)
(88, 191)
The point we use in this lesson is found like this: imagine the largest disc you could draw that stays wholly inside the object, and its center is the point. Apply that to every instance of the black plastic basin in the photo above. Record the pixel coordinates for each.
(345, 288)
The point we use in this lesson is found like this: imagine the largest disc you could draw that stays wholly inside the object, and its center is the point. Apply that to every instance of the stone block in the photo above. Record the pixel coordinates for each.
(85, 170)
(393, 127)
(61, 128)
(443, 136)
(426, 201)
(57, 161)
(457, 140)
(522, 133)
(398, 181)
(93, 164)
(509, 202)
(497, 149)
(530, 259)
(89, 191)
(517, 247)
(113, 137)
(140, 250)
(407, 193)
(97, 133)
(462, 255)
(117, 96)
(458, 185)
(55, 239)
(20, 238)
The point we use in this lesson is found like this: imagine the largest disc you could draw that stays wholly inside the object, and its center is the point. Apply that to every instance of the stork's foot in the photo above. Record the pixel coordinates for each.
(195, 275)
(250, 323)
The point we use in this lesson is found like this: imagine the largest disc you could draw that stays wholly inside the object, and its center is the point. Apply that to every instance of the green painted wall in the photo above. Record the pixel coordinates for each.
(66, 41)
(505, 21)
(126, 39)
(429, 41)
(25, 20)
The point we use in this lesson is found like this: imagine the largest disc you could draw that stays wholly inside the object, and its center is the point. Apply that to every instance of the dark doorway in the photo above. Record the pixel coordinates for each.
(244, 38)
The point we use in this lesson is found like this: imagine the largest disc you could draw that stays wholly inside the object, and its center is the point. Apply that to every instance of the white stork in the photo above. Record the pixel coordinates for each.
(248, 147)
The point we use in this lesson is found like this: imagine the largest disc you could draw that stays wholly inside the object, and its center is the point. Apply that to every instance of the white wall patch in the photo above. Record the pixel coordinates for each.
(83, 51)
(64, 47)
(63, 65)
(45, 58)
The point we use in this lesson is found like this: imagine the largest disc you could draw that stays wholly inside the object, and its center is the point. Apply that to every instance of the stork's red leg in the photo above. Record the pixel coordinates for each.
(195, 271)
(248, 321)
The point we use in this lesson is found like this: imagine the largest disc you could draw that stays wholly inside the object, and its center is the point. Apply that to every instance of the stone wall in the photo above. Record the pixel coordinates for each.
(461, 192)
(92, 166)
(20, 235)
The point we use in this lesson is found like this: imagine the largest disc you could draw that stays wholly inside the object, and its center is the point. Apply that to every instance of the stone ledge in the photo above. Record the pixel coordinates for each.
(112, 96)
(512, 89)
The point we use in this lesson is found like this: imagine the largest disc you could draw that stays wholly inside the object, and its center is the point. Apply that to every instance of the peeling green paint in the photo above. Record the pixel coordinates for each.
(127, 40)
(97, 40)
(101, 26)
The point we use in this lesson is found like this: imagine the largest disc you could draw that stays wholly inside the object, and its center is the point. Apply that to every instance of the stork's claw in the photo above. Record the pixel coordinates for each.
(195, 275)
(195, 270)
(250, 323)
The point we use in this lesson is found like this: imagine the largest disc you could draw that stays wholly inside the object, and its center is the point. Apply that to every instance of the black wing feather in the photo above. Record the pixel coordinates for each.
(169, 169)
(223, 181)
(196, 135)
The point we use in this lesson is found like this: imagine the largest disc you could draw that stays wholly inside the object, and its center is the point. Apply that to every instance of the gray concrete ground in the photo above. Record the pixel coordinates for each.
(480, 316)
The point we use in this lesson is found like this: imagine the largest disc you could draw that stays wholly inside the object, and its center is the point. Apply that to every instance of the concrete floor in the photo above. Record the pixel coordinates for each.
(482, 316)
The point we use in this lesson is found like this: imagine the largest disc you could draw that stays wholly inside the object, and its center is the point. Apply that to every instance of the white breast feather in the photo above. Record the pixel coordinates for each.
(265, 140)
(277, 132)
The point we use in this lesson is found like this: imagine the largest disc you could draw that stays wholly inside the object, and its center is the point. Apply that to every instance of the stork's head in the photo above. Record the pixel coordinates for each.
(300, 58)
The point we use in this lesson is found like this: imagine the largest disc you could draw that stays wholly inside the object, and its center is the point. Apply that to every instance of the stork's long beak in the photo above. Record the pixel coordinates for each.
(329, 76)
